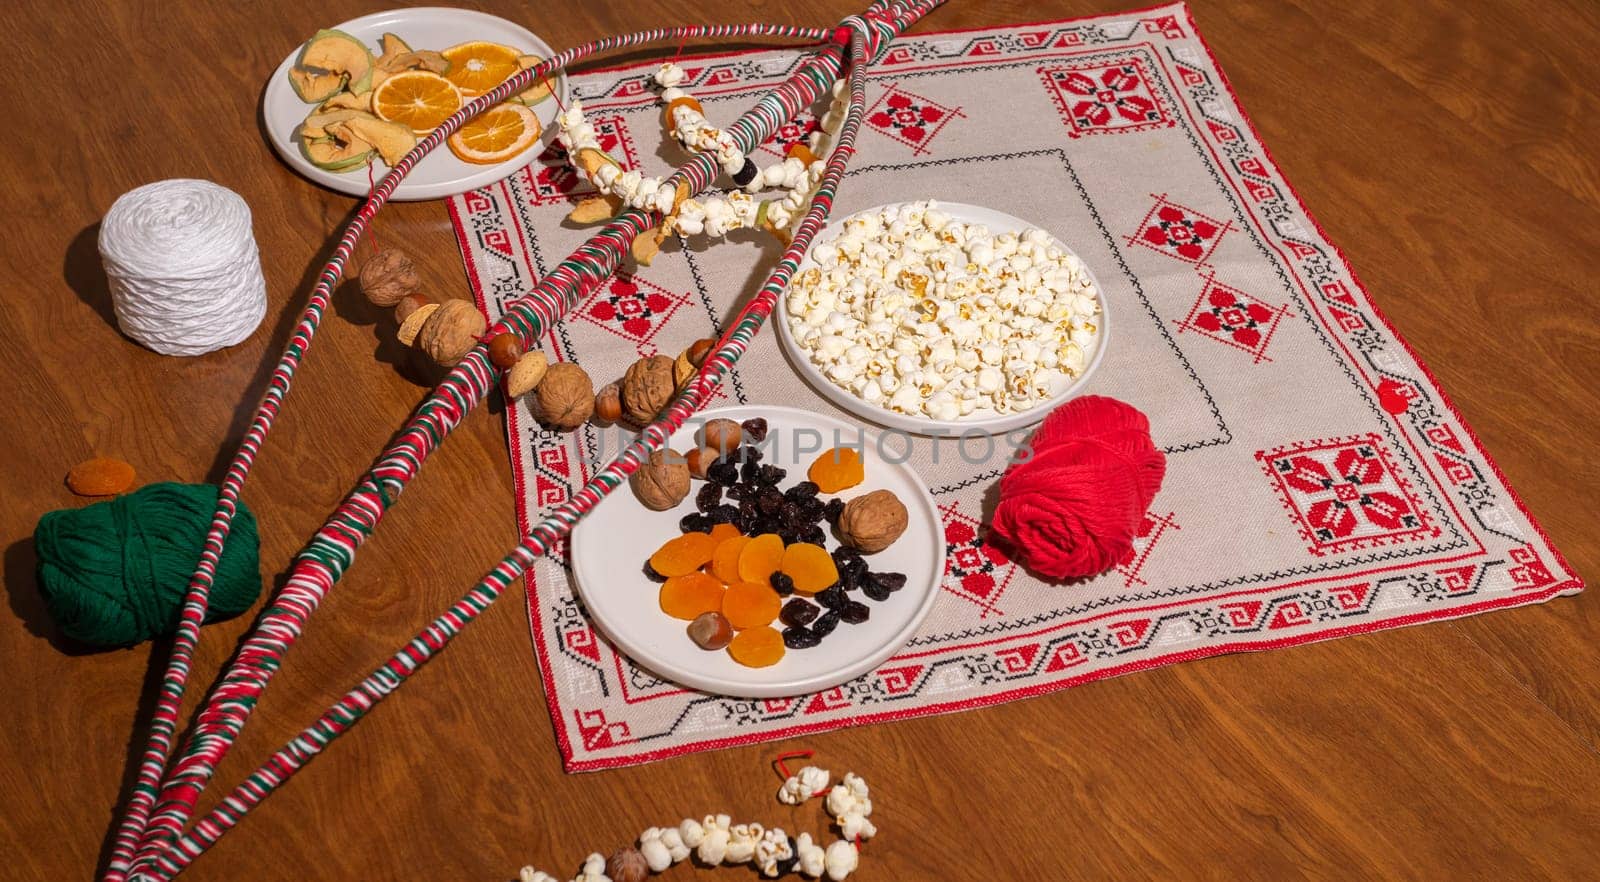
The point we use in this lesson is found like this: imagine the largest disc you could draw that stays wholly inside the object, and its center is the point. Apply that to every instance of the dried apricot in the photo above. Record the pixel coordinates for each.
(837, 469)
(683, 554)
(760, 559)
(809, 566)
(721, 532)
(750, 605)
(757, 647)
(686, 597)
(101, 476)
(725, 560)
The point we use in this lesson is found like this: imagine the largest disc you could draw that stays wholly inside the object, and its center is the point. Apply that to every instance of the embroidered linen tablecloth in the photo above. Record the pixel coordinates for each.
(1319, 482)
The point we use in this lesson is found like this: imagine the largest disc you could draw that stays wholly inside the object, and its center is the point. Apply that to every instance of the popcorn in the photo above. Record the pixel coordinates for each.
(840, 859)
(773, 847)
(801, 785)
(594, 870)
(714, 846)
(656, 854)
(742, 840)
(929, 309)
(529, 874)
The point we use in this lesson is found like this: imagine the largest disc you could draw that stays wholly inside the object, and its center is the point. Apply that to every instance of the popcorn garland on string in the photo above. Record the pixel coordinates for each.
(716, 840)
(716, 215)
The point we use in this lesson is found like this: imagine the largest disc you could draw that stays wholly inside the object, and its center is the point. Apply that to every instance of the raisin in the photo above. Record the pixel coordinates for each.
(754, 454)
(651, 574)
(695, 522)
(875, 591)
(798, 613)
(770, 475)
(802, 491)
(755, 429)
(749, 470)
(833, 509)
(825, 623)
(890, 581)
(708, 497)
(800, 638)
(726, 474)
(788, 864)
(832, 598)
(770, 501)
(781, 583)
(811, 510)
(813, 534)
(854, 613)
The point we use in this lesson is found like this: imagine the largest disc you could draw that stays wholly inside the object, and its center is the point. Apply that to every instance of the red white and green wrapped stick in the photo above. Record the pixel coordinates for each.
(151, 842)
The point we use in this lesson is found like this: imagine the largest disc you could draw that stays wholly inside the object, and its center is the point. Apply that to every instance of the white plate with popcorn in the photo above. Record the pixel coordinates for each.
(943, 319)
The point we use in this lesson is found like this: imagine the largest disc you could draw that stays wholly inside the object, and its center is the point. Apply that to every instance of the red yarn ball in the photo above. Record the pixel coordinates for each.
(1072, 508)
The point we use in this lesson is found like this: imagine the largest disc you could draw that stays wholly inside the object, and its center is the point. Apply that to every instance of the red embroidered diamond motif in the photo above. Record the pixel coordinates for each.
(973, 569)
(793, 132)
(1231, 316)
(632, 308)
(1346, 494)
(910, 119)
(551, 179)
(1179, 232)
(1107, 97)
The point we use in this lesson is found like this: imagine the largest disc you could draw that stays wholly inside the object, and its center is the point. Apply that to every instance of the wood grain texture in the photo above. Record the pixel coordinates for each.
(1447, 148)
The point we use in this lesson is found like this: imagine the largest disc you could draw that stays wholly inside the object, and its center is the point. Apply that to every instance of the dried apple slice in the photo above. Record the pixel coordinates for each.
(392, 140)
(336, 156)
(338, 52)
(313, 85)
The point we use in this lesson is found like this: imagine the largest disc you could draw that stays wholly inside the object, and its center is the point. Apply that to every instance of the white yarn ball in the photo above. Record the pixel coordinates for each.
(183, 267)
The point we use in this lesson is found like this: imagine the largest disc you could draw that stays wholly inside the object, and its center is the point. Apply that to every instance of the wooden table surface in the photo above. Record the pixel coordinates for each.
(1450, 150)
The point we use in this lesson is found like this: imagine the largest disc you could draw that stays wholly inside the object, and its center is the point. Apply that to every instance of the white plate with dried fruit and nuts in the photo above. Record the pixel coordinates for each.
(804, 558)
(356, 97)
(943, 319)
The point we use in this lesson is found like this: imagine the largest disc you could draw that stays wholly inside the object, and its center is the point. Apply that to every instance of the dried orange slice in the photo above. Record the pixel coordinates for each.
(479, 66)
(497, 134)
(417, 98)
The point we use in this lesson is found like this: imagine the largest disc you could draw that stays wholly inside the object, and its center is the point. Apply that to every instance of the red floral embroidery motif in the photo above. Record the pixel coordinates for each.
(1231, 316)
(910, 119)
(973, 569)
(631, 307)
(1179, 232)
(1098, 98)
(791, 133)
(1346, 494)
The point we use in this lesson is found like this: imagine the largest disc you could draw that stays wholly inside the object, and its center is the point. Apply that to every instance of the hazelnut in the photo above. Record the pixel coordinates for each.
(698, 350)
(608, 404)
(564, 398)
(873, 521)
(411, 325)
(711, 630)
(700, 459)
(408, 305)
(388, 277)
(721, 435)
(627, 865)
(525, 375)
(505, 350)
(451, 331)
(646, 388)
(662, 482)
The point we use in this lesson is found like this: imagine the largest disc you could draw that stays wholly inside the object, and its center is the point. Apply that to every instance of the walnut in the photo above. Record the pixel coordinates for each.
(389, 277)
(564, 398)
(663, 482)
(646, 388)
(871, 522)
(451, 331)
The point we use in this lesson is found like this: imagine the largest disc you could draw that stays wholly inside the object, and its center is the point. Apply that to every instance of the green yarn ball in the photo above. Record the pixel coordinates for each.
(115, 573)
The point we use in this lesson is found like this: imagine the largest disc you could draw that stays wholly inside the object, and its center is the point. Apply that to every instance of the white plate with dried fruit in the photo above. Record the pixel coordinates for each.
(780, 573)
(356, 97)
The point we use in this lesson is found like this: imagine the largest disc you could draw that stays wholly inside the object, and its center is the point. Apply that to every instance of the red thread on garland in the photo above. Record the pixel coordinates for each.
(1072, 508)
